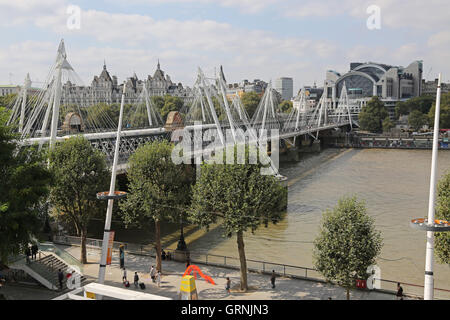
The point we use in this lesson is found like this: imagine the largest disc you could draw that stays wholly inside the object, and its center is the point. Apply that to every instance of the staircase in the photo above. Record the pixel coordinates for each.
(45, 270)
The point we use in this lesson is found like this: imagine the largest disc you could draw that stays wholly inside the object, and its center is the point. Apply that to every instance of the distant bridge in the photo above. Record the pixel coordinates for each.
(212, 110)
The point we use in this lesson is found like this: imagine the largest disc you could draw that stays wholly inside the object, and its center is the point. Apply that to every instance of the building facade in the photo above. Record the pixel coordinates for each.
(430, 87)
(365, 80)
(105, 88)
(244, 86)
(8, 89)
(285, 87)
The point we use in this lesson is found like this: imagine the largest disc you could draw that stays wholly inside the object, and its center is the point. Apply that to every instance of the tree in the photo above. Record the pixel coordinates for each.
(444, 122)
(250, 100)
(347, 243)
(372, 115)
(23, 190)
(285, 106)
(422, 104)
(442, 240)
(79, 173)
(171, 103)
(388, 124)
(417, 120)
(240, 198)
(158, 189)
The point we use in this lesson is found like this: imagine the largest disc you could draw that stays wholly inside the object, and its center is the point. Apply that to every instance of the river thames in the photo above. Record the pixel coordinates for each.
(393, 183)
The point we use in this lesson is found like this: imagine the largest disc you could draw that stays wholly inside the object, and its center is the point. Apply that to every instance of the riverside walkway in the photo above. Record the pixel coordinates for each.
(259, 284)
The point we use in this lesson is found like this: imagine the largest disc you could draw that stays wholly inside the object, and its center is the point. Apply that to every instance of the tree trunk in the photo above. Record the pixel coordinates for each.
(83, 246)
(348, 294)
(243, 261)
(158, 245)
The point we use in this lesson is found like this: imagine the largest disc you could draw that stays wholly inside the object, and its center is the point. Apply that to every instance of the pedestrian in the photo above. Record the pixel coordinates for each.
(34, 251)
(228, 285)
(272, 279)
(399, 294)
(122, 256)
(153, 274)
(136, 280)
(158, 278)
(60, 278)
(28, 253)
(124, 277)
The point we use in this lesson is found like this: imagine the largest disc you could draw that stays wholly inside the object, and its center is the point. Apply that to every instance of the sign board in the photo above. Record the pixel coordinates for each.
(89, 295)
(110, 247)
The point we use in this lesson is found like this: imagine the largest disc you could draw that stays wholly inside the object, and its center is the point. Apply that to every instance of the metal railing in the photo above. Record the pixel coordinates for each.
(258, 266)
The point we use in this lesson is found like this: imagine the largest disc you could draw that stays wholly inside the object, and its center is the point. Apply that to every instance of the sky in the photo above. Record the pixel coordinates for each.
(251, 39)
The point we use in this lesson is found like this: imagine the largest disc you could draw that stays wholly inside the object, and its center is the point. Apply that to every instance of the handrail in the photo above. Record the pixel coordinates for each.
(263, 263)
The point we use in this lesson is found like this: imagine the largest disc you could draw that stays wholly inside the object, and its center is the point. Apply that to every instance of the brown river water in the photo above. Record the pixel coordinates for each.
(395, 187)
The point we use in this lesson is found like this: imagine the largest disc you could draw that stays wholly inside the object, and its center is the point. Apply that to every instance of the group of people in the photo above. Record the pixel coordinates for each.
(31, 251)
(155, 275)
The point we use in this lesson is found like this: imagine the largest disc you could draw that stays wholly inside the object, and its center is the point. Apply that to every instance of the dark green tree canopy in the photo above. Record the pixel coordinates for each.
(347, 243)
(250, 100)
(79, 173)
(442, 243)
(23, 191)
(444, 122)
(237, 194)
(417, 120)
(156, 185)
(285, 106)
(372, 115)
(422, 104)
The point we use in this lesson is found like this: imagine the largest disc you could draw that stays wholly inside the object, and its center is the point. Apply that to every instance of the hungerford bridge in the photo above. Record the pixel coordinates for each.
(44, 117)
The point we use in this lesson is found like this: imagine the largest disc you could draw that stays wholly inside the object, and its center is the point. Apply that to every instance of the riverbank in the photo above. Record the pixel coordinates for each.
(260, 287)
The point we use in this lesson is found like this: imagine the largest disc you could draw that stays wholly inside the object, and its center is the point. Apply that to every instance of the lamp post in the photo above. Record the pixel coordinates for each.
(431, 225)
(110, 196)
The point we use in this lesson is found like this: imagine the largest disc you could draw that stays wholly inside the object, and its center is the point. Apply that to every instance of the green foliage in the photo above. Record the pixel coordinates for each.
(388, 124)
(240, 198)
(442, 240)
(23, 190)
(372, 115)
(237, 194)
(156, 185)
(347, 243)
(285, 106)
(171, 103)
(8, 100)
(79, 172)
(417, 120)
(158, 189)
(444, 120)
(250, 100)
(422, 104)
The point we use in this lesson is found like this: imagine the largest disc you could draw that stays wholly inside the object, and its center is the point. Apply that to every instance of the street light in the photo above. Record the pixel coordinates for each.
(431, 225)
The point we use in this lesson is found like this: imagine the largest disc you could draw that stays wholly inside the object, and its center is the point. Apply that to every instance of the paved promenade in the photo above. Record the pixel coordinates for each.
(260, 286)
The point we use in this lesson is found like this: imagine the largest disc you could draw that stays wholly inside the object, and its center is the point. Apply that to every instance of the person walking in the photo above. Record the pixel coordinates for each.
(136, 279)
(34, 251)
(28, 253)
(122, 256)
(124, 277)
(158, 278)
(228, 285)
(153, 274)
(272, 279)
(399, 294)
(60, 278)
